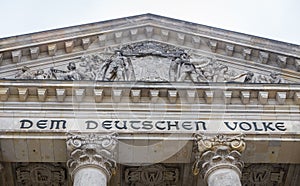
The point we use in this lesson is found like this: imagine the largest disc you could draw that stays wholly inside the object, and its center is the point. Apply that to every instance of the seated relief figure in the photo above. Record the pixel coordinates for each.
(272, 78)
(203, 70)
(91, 65)
(224, 75)
(183, 68)
(27, 73)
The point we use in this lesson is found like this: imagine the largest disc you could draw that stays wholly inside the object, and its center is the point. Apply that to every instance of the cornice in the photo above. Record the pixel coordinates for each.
(39, 91)
(83, 38)
(149, 18)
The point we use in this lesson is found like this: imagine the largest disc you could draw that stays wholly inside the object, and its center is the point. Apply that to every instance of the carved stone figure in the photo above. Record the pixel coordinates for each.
(118, 68)
(223, 75)
(26, 73)
(200, 65)
(272, 78)
(210, 71)
(88, 73)
(249, 78)
(275, 78)
(151, 48)
(40, 74)
(70, 74)
(183, 68)
(148, 61)
(91, 65)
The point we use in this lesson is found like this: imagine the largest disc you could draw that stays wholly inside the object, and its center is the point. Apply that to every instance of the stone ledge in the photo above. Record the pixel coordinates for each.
(159, 32)
(140, 92)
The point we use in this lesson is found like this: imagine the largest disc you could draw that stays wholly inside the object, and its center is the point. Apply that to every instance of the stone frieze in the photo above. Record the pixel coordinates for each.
(149, 61)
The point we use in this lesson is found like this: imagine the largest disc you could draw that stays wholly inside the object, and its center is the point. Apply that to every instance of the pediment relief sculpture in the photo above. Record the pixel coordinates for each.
(149, 61)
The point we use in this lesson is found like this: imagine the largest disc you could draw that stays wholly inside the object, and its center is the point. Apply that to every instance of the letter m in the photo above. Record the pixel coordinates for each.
(56, 124)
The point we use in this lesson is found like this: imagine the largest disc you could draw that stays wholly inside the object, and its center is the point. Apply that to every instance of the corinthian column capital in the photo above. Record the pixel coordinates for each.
(92, 150)
(218, 152)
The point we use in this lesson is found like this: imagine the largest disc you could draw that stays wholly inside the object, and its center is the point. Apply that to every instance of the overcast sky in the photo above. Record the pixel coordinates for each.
(274, 19)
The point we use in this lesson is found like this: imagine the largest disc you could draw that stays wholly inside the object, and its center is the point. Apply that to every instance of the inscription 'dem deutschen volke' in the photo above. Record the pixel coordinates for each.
(150, 125)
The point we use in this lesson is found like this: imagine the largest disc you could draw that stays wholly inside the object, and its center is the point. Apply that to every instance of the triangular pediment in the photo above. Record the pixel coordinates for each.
(150, 48)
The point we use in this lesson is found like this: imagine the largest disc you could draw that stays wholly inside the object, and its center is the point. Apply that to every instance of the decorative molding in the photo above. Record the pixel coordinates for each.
(69, 45)
(218, 152)
(52, 48)
(213, 45)
(282, 55)
(148, 31)
(40, 174)
(263, 57)
(153, 175)
(135, 95)
(16, 56)
(229, 49)
(4, 93)
(42, 94)
(240, 93)
(23, 94)
(246, 52)
(85, 43)
(92, 150)
(34, 52)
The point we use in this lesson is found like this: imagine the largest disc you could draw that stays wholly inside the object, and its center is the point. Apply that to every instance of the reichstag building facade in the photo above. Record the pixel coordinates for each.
(148, 101)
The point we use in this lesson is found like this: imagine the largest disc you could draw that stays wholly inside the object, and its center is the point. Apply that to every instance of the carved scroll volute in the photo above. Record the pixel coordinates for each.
(92, 150)
(203, 144)
(237, 143)
(210, 143)
(218, 151)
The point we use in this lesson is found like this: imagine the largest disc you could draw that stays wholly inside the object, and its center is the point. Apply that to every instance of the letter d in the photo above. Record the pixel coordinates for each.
(23, 124)
(91, 124)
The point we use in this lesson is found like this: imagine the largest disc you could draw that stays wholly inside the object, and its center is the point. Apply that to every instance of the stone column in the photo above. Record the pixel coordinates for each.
(92, 161)
(218, 159)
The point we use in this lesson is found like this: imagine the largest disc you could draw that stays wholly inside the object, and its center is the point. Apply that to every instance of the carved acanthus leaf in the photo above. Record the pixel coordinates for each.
(92, 150)
(218, 151)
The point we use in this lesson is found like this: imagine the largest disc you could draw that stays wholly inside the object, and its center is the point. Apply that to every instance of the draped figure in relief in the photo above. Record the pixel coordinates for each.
(117, 68)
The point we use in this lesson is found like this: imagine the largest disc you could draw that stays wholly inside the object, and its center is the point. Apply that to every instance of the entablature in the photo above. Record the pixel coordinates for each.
(143, 92)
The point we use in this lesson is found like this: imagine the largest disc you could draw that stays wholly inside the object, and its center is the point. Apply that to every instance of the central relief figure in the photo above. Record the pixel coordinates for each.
(117, 68)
